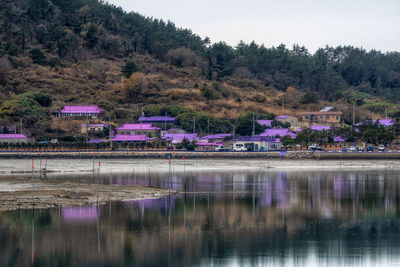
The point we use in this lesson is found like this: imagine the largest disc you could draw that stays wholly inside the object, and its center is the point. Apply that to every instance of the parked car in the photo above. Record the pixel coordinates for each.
(314, 147)
(381, 148)
(360, 149)
(54, 141)
(221, 148)
(44, 142)
(239, 147)
(352, 149)
(344, 149)
(370, 148)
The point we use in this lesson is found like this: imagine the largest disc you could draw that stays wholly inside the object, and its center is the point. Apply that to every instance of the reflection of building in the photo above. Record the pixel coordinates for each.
(13, 138)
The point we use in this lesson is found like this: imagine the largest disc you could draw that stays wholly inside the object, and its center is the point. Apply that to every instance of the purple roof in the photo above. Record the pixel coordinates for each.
(95, 125)
(95, 141)
(320, 127)
(383, 122)
(338, 139)
(12, 136)
(131, 138)
(278, 132)
(265, 122)
(282, 117)
(157, 119)
(137, 126)
(179, 137)
(216, 136)
(81, 109)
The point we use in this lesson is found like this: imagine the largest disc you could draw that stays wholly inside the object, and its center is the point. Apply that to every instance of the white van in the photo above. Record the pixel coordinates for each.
(239, 147)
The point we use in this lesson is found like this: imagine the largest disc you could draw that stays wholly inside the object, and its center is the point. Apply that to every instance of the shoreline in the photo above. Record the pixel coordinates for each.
(16, 193)
(132, 154)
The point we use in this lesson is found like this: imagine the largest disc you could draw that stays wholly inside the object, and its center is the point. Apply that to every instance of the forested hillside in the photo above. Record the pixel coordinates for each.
(87, 51)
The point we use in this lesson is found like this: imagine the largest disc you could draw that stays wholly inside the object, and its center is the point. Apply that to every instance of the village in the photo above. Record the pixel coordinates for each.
(312, 130)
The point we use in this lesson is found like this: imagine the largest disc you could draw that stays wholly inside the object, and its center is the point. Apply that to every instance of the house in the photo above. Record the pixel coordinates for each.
(338, 139)
(80, 111)
(132, 138)
(293, 121)
(324, 116)
(214, 138)
(258, 143)
(138, 129)
(383, 122)
(162, 122)
(178, 138)
(278, 133)
(266, 123)
(13, 138)
(173, 131)
(208, 146)
(93, 128)
(320, 128)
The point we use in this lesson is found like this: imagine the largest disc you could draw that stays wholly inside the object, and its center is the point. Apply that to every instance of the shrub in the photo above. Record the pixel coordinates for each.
(38, 56)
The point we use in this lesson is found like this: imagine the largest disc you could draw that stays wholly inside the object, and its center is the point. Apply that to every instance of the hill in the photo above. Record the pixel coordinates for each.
(87, 51)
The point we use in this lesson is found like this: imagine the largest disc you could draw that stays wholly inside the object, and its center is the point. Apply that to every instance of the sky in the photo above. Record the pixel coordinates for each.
(370, 24)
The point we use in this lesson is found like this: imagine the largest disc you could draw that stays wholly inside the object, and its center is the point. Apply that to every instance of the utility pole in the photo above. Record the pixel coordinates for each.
(208, 129)
(165, 121)
(254, 127)
(194, 125)
(20, 124)
(354, 112)
(110, 131)
(385, 112)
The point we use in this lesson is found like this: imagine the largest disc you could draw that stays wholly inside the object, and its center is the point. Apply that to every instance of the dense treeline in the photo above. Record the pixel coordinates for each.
(72, 29)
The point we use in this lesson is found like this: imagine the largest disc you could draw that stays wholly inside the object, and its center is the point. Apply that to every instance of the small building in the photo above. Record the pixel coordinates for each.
(162, 122)
(258, 143)
(278, 133)
(132, 138)
(172, 131)
(93, 128)
(293, 121)
(80, 111)
(13, 138)
(138, 129)
(322, 116)
(266, 123)
(320, 128)
(178, 138)
(215, 138)
(206, 146)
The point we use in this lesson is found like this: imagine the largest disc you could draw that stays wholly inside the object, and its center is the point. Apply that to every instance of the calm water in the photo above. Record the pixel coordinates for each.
(242, 218)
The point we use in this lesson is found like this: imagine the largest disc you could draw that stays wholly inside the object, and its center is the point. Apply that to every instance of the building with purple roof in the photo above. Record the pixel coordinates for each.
(257, 143)
(383, 122)
(138, 129)
(93, 127)
(80, 111)
(320, 127)
(178, 138)
(13, 138)
(163, 122)
(293, 121)
(278, 133)
(338, 139)
(132, 138)
(266, 123)
(215, 138)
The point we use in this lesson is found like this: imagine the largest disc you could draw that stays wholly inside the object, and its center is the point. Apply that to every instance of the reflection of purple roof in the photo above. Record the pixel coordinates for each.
(320, 127)
(216, 136)
(278, 132)
(157, 119)
(88, 213)
(12, 136)
(81, 109)
(383, 122)
(131, 138)
(137, 126)
(281, 117)
(95, 141)
(176, 137)
(265, 122)
(338, 139)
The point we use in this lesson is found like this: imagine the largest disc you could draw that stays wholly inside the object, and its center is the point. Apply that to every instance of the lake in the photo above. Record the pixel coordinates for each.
(236, 218)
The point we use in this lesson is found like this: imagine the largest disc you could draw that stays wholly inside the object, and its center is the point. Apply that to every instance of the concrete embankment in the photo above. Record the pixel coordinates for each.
(355, 155)
(160, 155)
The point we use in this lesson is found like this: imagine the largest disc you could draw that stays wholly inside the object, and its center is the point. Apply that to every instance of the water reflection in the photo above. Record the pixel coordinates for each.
(243, 218)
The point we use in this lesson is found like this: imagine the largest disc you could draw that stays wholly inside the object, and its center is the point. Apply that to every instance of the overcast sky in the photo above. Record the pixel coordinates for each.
(371, 24)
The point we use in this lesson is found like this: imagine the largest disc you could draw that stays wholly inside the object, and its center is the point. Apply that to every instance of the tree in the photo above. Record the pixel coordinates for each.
(38, 56)
(309, 98)
(128, 69)
(245, 125)
(134, 85)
